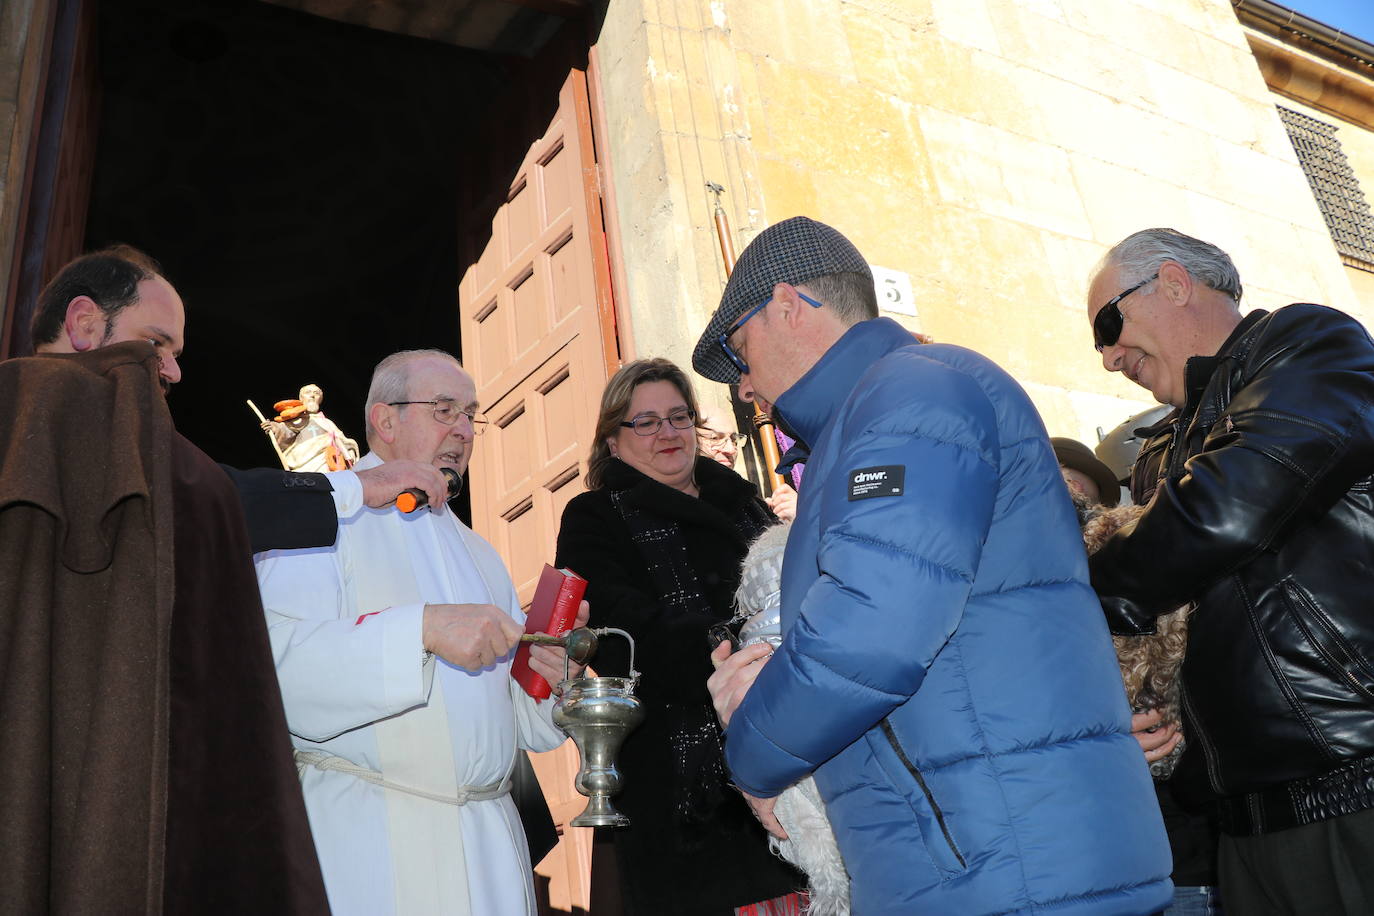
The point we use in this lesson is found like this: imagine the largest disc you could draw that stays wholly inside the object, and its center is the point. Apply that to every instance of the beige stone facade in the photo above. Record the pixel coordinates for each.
(988, 149)
(991, 149)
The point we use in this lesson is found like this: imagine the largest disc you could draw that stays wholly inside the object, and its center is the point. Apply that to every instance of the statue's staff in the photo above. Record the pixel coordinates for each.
(271, 438)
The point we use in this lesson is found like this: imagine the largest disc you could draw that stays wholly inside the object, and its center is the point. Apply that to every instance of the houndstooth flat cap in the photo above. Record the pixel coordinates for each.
(792, 251)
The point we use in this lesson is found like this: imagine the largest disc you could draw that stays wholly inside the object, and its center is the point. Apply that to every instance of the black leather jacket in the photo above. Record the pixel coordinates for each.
(1262, 512)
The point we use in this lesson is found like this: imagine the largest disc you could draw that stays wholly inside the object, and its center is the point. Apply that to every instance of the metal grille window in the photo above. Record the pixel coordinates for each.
(1334, 185)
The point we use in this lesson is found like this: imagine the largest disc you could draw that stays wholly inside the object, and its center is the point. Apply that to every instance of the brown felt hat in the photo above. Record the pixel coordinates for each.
(1074, 454)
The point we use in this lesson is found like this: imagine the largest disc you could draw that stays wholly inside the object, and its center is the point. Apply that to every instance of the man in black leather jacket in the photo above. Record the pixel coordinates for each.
(1261, 510)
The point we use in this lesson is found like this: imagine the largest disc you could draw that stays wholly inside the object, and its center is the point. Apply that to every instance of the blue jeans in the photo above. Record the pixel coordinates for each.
(1195, 901)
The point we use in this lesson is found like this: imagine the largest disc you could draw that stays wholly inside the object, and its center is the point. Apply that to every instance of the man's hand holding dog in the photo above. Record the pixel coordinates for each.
(1156, 740)
(734, 675)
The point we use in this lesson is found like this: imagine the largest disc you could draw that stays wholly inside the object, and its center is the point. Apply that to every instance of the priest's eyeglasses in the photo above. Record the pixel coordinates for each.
(447, 412)
(649, 424)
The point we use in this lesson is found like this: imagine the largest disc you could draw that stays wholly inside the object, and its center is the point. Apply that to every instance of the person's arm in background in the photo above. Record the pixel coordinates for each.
(783, 502)
(287, 510)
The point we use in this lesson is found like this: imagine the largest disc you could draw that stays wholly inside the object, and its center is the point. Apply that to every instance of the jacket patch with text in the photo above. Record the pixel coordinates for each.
(869, 483)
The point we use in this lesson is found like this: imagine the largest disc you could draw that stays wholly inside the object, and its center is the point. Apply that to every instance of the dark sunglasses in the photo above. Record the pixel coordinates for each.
(1108, 320)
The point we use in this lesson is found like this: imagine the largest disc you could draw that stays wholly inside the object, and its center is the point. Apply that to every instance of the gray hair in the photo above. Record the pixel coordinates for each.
(391, 380)
(850, 295)
(1140, 255)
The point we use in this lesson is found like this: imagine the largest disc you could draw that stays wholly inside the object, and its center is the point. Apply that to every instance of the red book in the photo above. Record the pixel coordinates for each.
(552, 611)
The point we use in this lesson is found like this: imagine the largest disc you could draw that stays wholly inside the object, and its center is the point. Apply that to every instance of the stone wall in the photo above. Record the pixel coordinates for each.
(991, 149)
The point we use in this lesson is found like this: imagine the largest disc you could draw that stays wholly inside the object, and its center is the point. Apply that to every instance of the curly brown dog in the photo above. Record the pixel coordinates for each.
(1149, 664)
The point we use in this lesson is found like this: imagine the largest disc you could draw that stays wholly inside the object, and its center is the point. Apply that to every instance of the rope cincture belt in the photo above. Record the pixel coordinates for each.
(323, 760)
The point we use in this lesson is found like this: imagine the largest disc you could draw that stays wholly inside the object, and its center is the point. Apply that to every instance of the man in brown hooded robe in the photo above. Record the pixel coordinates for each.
(146, 765)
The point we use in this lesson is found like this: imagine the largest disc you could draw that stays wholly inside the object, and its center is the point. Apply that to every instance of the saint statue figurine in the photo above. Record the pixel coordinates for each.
(306, 439)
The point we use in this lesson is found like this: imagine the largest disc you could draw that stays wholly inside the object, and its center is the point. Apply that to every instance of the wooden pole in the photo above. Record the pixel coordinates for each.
(763, 424)
(727, 244)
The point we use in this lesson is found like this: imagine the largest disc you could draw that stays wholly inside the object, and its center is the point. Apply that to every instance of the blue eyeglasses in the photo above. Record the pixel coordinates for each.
(724, 339)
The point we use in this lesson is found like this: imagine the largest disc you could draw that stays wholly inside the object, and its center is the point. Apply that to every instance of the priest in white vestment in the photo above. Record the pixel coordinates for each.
(393, 649)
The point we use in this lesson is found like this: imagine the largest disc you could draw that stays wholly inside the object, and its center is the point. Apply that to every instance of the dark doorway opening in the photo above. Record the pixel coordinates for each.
(298, 179)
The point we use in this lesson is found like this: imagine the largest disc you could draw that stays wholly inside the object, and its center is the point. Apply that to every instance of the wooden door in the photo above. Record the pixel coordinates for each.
(538, 338)
(56, 186)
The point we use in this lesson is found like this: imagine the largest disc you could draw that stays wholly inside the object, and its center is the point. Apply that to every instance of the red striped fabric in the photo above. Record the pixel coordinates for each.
(786, 905)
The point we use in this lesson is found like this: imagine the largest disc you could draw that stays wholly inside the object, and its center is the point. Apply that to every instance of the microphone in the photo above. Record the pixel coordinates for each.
(413, 499)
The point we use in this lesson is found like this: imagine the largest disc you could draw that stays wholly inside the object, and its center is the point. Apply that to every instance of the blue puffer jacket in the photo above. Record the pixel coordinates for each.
(946, 669)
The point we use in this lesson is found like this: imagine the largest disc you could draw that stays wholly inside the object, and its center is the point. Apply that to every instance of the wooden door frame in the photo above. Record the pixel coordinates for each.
(34, 79)
(504, 379)
(67, 43)
(617, 329)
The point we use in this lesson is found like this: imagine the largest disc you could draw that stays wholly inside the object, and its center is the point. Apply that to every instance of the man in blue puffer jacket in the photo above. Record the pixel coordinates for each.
(945, 670)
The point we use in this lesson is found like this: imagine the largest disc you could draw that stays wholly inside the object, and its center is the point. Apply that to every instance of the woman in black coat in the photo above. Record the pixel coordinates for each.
(659, 536)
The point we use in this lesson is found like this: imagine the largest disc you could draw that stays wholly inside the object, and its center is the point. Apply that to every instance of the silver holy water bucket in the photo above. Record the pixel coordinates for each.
(597, 713)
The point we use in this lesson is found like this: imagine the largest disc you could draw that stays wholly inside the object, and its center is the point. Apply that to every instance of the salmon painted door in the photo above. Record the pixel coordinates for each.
(538, 337)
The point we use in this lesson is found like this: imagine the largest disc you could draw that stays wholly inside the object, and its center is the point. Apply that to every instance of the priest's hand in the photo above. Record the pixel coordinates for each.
(471, 636)
(547, 661)
(382, 484)
(734, 675)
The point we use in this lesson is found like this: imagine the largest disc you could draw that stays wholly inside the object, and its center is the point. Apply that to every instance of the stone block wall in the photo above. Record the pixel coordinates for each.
(991, 149)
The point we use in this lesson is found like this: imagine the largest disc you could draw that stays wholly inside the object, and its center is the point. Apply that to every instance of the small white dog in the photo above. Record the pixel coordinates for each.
(810, 845)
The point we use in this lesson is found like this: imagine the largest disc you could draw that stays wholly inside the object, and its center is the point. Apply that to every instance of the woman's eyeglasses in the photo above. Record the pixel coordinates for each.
(649, 424)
